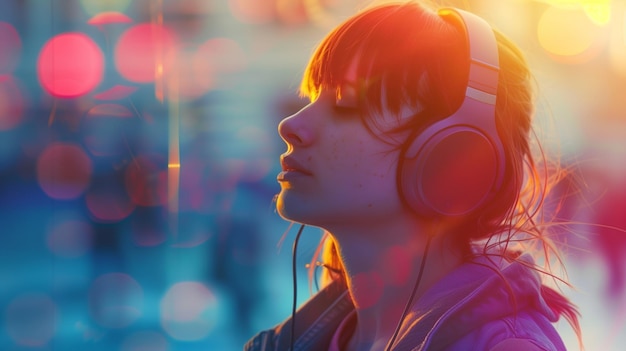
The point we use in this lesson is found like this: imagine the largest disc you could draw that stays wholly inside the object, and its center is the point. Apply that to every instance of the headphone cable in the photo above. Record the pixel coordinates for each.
(410, 301)
(295, 287)
(295, 290)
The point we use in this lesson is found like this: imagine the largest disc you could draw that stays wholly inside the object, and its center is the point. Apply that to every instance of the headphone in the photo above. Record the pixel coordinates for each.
(456, 165)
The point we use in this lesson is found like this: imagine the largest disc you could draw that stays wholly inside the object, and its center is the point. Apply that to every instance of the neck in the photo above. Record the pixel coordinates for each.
(382, 270)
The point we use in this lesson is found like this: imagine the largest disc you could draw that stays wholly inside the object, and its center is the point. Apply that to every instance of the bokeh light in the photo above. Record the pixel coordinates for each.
(188, 311)
(70, 238)
(105, 129)
(145, 51)
(108, 202)
(110, 17)
(599, 11)
(31, 319)
(64, 170)
(10, 48)
(318, 11)
(115, 300)
(12, 102)
(292, 12)
(188, 251)
(94, 7)
(146, 180)
(253, 11)
(70, 65)
(219, 57)
(145, 341)
(209, 66)
(569, 36)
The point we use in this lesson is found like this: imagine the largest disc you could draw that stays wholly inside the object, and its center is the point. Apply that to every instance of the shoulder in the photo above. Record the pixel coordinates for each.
(523, 332)
(516, 345)
(316, 320)
(263, 341)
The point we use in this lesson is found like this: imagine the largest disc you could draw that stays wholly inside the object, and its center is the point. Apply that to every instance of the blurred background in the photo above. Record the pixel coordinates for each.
(138, 155)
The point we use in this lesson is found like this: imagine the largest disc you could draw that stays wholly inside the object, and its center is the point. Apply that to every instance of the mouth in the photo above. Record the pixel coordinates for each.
(291, 168)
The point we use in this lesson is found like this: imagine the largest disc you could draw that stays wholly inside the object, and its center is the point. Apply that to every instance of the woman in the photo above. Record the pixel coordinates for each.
(414, 157)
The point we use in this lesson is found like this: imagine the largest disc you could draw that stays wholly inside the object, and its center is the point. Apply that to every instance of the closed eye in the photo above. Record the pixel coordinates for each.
(346, 104)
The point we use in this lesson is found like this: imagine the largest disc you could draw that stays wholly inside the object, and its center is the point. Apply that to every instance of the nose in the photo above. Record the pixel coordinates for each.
(295, 131)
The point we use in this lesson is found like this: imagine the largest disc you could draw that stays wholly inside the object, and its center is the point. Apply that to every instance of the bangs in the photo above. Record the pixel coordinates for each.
(392, 53)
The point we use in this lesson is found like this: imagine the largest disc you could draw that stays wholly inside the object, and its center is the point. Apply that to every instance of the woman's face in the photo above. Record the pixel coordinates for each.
(335, 171)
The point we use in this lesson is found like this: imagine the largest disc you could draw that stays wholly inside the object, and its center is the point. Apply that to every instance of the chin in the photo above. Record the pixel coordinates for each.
(283, 209)
(292, 209)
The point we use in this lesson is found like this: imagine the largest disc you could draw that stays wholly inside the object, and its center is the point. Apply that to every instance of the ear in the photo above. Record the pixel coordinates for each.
(516, 345)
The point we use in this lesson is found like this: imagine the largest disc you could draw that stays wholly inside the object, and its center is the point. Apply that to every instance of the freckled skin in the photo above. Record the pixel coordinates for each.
(351, 193)
(353, 171)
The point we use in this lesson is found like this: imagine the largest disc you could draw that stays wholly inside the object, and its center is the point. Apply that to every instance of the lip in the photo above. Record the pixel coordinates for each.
(291, 168)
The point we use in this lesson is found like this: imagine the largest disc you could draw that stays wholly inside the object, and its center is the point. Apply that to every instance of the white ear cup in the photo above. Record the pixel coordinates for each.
(456, 165)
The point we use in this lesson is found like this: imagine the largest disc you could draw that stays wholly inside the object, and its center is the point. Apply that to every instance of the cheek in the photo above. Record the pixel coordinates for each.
(348, 147)
(341, 154)
(364, 165)
(348, 156)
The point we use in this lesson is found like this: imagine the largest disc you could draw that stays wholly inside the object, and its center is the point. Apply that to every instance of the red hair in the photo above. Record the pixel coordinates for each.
(407, 55)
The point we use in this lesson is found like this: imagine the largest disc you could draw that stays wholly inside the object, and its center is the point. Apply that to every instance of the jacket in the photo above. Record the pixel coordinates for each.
(475, 307)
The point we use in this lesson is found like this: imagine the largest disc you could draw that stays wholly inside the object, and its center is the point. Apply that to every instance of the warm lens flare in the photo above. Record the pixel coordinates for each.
(70, 65)
(599, 11)
(617, 48)
(568, 35)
